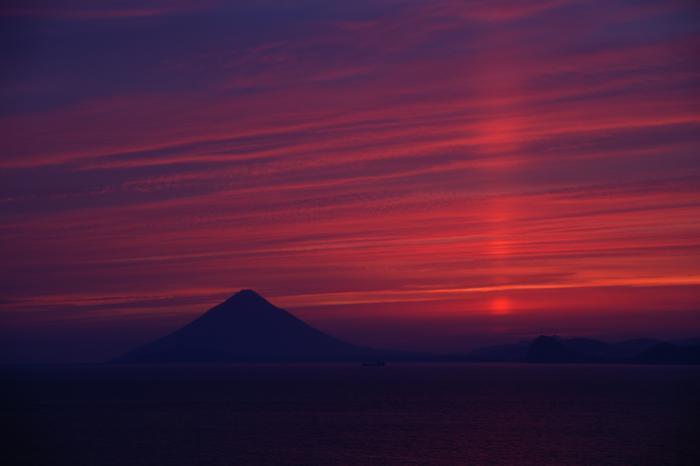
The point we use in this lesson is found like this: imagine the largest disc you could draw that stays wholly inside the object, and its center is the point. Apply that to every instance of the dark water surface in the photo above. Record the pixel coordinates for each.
(344, 414)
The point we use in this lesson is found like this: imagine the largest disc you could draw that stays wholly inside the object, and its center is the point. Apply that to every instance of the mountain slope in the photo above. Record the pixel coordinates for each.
(246, 327)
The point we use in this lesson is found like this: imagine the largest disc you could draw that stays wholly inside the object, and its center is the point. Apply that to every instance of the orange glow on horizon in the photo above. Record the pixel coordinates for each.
(500, 306)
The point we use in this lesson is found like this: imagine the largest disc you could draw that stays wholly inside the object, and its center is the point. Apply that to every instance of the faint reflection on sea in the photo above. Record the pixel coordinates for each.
(449, 414)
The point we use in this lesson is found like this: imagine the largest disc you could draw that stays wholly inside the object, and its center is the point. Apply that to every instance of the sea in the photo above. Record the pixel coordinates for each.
(347, 414)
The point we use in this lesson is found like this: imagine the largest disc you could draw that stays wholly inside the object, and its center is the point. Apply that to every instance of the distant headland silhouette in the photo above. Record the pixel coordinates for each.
(248, 328)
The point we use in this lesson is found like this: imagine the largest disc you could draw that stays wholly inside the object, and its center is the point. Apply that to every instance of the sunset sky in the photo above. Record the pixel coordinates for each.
(417, 174)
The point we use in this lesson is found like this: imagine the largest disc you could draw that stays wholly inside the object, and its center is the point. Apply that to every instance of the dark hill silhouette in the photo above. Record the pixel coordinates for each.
(246, 327)
(509, 352)
(551, 349)
(667, 353)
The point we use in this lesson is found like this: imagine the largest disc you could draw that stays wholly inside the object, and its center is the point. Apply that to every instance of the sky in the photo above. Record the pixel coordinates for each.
(433, 175)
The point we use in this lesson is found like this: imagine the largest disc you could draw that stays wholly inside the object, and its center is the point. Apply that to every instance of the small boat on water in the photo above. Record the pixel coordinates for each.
(374, 364)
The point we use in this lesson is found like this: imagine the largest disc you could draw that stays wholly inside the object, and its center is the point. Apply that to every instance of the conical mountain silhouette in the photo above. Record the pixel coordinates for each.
(246, 327)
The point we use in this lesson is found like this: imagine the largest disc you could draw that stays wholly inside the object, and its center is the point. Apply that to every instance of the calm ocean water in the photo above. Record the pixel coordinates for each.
(351, 415)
